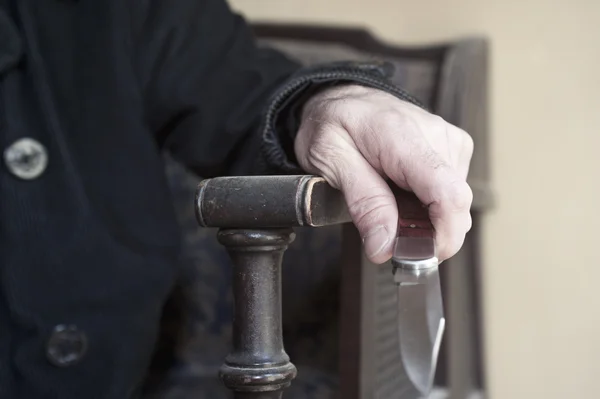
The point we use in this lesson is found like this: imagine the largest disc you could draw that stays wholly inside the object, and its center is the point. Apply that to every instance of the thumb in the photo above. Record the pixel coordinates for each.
(371, 203)
(369, 198)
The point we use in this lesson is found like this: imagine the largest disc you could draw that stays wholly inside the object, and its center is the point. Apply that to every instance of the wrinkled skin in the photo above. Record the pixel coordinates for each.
(355, 137)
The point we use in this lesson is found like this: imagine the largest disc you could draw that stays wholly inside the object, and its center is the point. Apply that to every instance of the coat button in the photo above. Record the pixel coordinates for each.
(67, 346)
(26, 158)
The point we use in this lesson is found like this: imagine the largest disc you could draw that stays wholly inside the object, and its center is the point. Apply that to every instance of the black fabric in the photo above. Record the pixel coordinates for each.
(106, 86)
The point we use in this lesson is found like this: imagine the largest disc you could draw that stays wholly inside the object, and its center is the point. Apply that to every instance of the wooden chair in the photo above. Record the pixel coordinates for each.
(338, 325)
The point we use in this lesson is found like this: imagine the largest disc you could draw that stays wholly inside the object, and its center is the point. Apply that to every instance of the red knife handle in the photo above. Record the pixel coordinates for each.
(413, 216)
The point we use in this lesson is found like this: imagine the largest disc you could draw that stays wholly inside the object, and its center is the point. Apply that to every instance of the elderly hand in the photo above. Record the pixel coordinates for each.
(355, 137)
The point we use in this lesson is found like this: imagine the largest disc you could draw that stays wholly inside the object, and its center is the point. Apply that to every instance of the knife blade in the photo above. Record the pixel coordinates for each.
(421, 320)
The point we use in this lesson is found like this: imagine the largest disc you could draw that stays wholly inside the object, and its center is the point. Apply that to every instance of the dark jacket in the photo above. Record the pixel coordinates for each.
(88, 240)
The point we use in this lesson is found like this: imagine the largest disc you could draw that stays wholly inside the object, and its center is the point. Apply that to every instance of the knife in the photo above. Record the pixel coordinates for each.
(421, 319)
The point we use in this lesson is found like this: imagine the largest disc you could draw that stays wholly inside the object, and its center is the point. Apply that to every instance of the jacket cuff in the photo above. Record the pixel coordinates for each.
(282, 118)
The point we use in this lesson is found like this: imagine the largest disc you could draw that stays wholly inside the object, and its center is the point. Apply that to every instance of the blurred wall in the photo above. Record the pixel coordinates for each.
(542, 277)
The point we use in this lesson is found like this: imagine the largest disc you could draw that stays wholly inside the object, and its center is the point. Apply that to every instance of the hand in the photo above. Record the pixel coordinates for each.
(355, 137)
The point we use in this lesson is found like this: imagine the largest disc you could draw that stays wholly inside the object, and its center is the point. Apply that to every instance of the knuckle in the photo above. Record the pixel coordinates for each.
(438, 122)
(393, 119)
(468, 142)
(460, 196)
(433, 160)
(469, 223)
(426, 163)
(462, 138)
(434, 126)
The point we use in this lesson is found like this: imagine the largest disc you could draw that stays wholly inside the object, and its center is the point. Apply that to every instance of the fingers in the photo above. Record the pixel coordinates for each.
(451, 217)
(370, 200)
(438, 185)
(424, 154)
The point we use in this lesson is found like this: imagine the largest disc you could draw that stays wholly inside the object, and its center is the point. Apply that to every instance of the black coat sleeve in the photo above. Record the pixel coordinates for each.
(218, 102)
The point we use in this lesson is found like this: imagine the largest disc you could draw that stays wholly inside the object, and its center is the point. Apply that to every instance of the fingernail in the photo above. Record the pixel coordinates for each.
(376, 240)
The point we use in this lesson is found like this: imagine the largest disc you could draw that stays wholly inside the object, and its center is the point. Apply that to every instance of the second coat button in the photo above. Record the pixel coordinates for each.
(67, 345)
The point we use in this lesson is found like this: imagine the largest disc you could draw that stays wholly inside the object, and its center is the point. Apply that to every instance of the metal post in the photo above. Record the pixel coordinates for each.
(258, 366)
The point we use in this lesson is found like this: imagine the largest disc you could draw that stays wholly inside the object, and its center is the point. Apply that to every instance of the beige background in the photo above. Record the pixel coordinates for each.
(542, 278)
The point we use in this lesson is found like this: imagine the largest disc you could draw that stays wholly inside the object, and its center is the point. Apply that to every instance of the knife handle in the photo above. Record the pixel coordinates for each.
(413, 216)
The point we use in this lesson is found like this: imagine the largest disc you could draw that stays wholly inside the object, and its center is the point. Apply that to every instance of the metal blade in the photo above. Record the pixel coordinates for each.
(420, 309)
